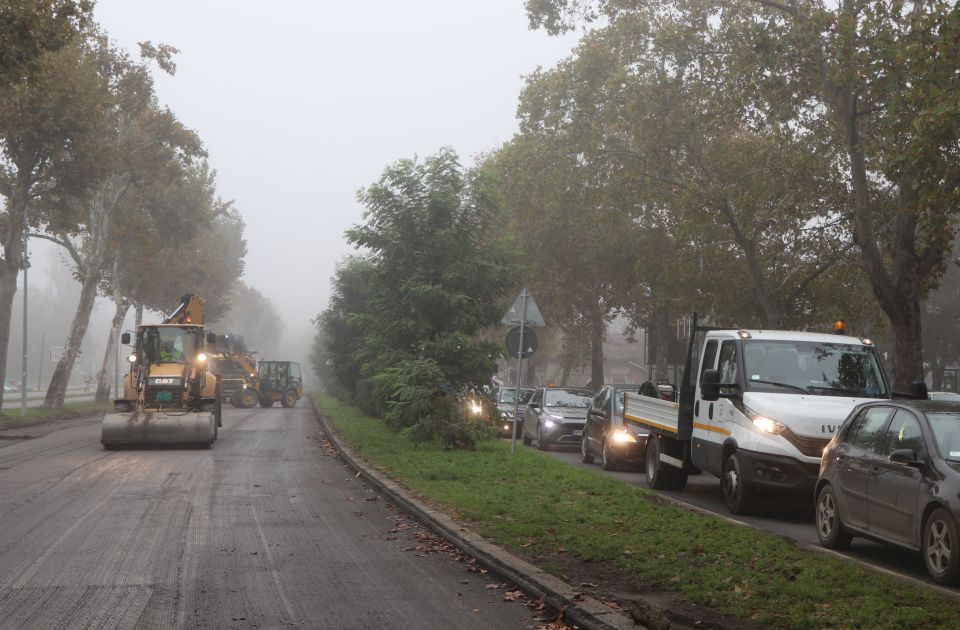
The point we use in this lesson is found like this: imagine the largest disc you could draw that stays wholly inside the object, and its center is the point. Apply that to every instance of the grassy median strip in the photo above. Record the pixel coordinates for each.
(11, 418)
(531, 503)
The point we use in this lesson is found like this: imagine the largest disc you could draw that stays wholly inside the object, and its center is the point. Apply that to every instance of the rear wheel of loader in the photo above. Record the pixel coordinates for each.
(266, 401)
(289, 398)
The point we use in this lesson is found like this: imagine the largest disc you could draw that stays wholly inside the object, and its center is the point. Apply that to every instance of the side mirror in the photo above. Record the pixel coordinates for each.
(211, 338)
(906, 456)
(710, 385)
(918, 389)
(125, 339)
(535, 406)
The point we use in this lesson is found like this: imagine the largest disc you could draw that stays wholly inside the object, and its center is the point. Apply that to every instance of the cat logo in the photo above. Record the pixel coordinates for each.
(165, 381)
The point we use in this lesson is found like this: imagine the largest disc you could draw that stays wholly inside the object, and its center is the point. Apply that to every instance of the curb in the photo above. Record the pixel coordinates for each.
(577, 608)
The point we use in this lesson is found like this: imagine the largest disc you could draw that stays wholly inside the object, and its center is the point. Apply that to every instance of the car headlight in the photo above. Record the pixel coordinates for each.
(622, 437)
(506, 414)
(549, 424)
(768, 426)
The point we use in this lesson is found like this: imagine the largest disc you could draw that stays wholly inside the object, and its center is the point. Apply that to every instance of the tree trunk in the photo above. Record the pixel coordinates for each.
(78, 329)
(13, 259)
(103, 378)
(8, 289)
(663, 344)
(907, 346)
(598, 329)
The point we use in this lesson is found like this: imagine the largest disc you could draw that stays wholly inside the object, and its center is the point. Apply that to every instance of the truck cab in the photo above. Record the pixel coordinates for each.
(767, 403)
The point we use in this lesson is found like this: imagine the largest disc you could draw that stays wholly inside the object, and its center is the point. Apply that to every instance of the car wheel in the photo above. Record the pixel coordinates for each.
(738, 496)
(941, 547)
(658, 475)
(585, 455)
(830, 529)
(541, 443)
(608, 460)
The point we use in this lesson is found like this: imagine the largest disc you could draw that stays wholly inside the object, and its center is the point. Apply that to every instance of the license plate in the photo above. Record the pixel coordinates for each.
(578, 432)
(164, 396)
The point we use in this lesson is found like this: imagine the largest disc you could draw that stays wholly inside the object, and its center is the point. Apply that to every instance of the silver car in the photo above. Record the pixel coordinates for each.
(556, 415)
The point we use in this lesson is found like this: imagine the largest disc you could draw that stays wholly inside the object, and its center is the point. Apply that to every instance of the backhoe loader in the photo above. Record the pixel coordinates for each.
(169, 395)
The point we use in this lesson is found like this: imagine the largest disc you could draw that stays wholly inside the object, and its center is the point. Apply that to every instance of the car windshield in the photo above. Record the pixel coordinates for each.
(946, 432)
(568, 398)
(809, 367)
(508, 395)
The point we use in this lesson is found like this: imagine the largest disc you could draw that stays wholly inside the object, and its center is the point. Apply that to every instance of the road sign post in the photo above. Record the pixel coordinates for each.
(523, 311)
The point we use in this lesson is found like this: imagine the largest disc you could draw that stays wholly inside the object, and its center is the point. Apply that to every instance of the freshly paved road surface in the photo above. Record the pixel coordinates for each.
(265, 530)
(784, 518)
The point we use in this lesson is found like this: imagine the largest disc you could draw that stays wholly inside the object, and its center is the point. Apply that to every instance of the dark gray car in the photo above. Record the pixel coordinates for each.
(506, 397)
(892, 473)
(555, 415)
(605, 435)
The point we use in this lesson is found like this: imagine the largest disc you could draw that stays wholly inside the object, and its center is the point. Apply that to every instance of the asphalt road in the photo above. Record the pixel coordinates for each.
(267, 529)
(784, 517)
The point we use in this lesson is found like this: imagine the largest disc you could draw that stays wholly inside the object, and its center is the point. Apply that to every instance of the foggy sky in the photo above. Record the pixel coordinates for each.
(302, 103)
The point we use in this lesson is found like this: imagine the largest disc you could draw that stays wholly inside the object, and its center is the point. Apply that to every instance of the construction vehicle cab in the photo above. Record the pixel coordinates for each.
(169, 395)
(279, 380)
(234, 366)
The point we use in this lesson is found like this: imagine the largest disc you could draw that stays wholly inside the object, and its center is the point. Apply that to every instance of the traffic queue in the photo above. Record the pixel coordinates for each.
(775, 413)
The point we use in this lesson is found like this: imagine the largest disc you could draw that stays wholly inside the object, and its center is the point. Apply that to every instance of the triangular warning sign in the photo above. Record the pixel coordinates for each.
(523, 310)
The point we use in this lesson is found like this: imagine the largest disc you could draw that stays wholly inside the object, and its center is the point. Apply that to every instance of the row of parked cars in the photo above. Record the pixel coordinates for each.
(891, 472)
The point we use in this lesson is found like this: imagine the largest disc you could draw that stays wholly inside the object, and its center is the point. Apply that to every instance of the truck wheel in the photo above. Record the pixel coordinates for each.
(830, 529)
(658, 473)
(941, 547)
(235, 399)
(585, 455)
(608, 461)
(738, 496)
(289, 398)
(266, 401)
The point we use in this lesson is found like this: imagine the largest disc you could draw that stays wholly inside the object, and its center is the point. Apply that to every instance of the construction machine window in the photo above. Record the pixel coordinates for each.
(168, 344)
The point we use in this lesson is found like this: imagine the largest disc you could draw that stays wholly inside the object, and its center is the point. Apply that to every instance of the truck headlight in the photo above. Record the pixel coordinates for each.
(622, 437)
(768, 426)
(201, 357)
(132, 358)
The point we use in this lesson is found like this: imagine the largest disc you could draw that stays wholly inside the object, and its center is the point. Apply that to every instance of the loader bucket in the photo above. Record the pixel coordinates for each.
(157, 428)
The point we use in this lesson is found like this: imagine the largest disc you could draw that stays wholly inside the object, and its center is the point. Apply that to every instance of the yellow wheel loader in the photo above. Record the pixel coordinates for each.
(169, 396)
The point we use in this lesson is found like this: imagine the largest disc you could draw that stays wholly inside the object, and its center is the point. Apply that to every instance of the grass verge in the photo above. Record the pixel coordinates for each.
(11, 418)
(533, 504)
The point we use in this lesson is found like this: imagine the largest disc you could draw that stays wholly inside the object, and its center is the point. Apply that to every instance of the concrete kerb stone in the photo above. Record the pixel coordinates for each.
(579, 609)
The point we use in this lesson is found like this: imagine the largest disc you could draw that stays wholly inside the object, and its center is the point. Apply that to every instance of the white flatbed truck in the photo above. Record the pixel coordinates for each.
(756, 408)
